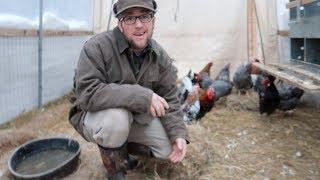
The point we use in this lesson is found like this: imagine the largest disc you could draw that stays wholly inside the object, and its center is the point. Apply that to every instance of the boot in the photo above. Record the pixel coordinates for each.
(115, 161)
(139, 149)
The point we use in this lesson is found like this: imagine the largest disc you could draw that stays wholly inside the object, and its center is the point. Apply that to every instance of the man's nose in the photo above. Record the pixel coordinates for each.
(138, 23)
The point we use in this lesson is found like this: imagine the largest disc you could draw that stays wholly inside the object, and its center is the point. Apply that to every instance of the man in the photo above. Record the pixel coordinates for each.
(126, 94)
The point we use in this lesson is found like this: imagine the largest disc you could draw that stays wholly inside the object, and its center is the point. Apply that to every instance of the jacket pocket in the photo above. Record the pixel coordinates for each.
(151, 79)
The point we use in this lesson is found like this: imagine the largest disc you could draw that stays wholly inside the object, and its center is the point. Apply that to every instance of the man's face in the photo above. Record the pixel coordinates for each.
(139, 33)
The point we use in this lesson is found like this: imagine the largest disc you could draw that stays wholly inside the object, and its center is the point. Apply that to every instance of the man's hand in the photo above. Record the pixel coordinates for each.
(158, 106)
(179, 149)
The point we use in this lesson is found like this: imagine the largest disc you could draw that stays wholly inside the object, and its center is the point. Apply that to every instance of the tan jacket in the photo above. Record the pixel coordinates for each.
(104, 79)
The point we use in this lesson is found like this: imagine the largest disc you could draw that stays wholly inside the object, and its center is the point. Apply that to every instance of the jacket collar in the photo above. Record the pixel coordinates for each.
(122, 43)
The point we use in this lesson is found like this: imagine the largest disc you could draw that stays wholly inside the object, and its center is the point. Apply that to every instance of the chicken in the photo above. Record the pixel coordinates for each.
(224, 74)
(205, 80)
(269, 98)
(188, 96)
(185, 86)
(198, 103)
(203, 77)
(194, 77)
(197, 93)
(191, 112)
(257, 83)
(206, 99)
(288, 104)
(254, 68)
(242, 77)
(191, 106)
(222, 84)
(289, 95)
(287, 91)
(206, 69)
(221, 88)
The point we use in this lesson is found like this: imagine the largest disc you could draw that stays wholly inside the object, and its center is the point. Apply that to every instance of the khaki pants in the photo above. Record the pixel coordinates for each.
(111, 128)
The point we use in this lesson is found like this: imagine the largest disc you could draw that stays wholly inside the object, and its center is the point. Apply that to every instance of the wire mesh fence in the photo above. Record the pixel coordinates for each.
(18, 75)
(60, 55)
(63, 38)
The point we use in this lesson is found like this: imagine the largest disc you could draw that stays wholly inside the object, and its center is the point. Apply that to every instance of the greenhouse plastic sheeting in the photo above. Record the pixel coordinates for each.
(195, 32)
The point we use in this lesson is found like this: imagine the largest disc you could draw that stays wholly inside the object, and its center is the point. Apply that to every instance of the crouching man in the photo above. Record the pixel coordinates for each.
(125, 92)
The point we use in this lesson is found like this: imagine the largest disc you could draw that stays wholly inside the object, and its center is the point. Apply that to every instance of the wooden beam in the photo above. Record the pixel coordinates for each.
(305, 83)
(34, 32)
(296, 68)
(292, 4)
(298, 2)
(284, 33)
(252, 31)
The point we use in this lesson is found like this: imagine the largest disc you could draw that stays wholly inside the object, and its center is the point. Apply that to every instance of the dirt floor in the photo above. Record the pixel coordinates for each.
(233, 141)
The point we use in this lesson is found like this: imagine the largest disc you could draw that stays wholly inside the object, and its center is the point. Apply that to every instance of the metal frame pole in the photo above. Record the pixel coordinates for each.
(110, 14)
(177, 11)
(248, 31)
(40, 38)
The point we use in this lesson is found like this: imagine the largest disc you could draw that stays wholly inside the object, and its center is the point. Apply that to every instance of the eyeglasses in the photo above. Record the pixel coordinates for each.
(130, 20)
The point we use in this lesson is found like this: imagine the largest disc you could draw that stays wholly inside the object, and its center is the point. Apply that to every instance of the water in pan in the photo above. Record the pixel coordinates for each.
(43, 161)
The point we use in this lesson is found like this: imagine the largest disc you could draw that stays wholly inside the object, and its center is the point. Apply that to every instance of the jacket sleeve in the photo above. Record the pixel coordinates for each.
(94, 93)
(167, 88)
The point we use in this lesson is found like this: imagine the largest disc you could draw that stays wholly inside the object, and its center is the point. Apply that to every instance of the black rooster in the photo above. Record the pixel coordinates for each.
(269, 98)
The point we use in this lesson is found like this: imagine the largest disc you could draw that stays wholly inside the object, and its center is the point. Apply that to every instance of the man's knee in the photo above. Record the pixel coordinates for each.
(108, 128)
(152, 135)
(163, 151)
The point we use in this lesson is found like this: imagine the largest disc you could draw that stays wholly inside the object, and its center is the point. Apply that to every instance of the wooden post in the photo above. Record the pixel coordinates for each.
(252, 31)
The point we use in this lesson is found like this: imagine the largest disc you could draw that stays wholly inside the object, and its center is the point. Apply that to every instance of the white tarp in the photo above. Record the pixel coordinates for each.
(267, 14)
(192, 32)
(195, 32)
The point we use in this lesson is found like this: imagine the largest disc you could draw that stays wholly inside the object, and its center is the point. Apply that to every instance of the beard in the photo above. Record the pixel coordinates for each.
(140, 45)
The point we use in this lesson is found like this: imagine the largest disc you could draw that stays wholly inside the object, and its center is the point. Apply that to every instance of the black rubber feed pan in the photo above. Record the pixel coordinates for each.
(50, 158)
